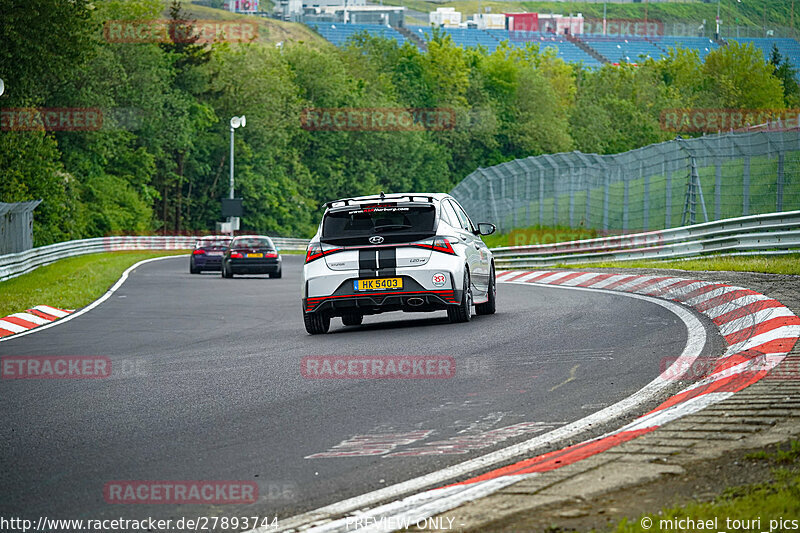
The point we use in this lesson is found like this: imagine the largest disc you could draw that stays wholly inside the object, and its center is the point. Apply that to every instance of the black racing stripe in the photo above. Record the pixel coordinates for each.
(367, 265)
(387, 262)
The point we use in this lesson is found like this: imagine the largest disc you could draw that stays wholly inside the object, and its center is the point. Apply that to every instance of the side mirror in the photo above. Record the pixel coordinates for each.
(484, 228)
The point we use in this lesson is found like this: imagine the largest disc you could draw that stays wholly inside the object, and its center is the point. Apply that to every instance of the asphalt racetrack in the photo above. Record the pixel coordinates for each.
(207, 385)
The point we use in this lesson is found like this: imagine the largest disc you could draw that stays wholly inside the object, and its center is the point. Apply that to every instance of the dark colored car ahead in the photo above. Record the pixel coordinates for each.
(251, 254)
(207, 253)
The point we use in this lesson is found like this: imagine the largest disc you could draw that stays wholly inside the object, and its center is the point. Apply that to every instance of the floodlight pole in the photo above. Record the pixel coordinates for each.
(235, 123)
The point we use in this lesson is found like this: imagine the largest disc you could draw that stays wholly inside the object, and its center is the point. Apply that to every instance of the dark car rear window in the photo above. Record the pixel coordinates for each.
(394, 223)
(252, 242)
(212, 243)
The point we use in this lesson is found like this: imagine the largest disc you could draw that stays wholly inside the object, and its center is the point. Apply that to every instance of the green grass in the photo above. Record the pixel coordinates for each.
(747, 13)
(70, 283)
(773, 500)
(775, 264)
(538, 235)
(723, 202)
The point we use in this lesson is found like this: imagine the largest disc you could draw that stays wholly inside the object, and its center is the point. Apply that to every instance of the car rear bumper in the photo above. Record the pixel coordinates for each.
(413, 298)
(254, 266)
(208, 262)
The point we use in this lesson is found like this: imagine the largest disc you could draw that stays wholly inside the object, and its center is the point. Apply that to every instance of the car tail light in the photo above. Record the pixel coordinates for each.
(438, 244)
(199, 252)
(271, 254)
(236, 255)
(315, 251)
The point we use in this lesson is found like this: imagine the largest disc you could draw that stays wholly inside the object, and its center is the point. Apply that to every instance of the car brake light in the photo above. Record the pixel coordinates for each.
(271, 254)
(236, 255)
(439, 244)
(199, 252)
(315, 251)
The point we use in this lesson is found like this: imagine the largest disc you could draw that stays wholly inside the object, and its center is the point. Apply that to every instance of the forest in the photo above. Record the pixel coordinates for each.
(159, 162)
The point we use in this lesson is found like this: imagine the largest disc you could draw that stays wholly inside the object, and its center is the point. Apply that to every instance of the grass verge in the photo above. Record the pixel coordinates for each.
(70, 283)
(753, 506)
(767, 264)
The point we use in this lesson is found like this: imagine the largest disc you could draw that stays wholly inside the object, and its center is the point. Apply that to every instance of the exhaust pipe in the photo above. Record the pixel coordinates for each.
(415, 302)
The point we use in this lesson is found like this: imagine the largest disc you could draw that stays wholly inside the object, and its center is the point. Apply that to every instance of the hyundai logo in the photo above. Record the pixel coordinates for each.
(377, 239)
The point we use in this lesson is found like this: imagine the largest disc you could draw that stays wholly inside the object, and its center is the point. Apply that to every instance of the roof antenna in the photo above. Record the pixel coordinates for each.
(383, 195)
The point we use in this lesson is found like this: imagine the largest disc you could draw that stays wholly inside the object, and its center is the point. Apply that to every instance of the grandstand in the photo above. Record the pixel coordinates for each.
(338, 33)
(613, 49)
(621, 49)
(703, 45)
(787, 47)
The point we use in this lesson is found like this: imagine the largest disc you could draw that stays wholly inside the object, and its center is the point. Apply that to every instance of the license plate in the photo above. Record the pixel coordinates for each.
(214, 253)
(378, 284)
(255, 255)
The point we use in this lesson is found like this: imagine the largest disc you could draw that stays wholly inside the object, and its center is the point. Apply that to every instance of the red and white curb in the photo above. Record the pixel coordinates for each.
(31, 318)
(758, 330)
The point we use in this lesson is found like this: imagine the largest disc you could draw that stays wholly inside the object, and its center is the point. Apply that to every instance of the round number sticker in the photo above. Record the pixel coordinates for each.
(439, 279)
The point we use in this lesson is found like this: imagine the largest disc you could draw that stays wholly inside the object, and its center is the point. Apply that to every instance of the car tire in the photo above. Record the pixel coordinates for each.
(316, 323)
(226, 273)
(490, 306)
(463, 311)
(276, 274)
(352, 319)
(193, 269)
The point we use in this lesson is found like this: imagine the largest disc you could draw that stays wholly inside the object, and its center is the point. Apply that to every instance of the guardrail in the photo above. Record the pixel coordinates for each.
(769, 233)
(12, 265)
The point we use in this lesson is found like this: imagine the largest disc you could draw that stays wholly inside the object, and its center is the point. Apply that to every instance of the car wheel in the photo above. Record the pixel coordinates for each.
(463, 311)
(276, 274)
(316, 323)
(193, 269)
(226, 273)
(490, 306)
(352, 319)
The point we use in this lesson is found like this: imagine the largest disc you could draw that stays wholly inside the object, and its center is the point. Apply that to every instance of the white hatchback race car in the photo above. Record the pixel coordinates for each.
(398, 252)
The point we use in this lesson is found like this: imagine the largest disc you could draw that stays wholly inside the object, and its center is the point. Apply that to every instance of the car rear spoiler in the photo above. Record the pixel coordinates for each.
(346, 201)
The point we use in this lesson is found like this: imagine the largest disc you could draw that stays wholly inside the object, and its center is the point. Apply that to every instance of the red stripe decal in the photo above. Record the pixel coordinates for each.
(672, 287)
(559, 458)
(697, 292)
(723, 299)
(617, 283)
(646, 284)
(41, 314)
(538, 277)
(592, 281)
(761, 327)
(746, 310)
(20, 322)
(567, 278)
(518, 276)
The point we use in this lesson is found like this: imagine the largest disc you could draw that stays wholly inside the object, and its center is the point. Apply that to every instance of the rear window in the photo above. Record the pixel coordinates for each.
(394, 223)
(252, 242)
(212, 243)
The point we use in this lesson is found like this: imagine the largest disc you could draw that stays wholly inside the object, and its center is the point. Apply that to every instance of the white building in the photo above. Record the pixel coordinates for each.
(445, 16)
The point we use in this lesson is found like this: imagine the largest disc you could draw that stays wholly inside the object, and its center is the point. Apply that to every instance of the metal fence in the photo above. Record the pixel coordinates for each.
(769, 234)
(676, 183)
(16, 226)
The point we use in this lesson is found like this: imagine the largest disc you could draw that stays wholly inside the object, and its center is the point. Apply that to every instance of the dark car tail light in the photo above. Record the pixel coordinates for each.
(199, 252)
(315, 251)
(236, 255)
(438, 244)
